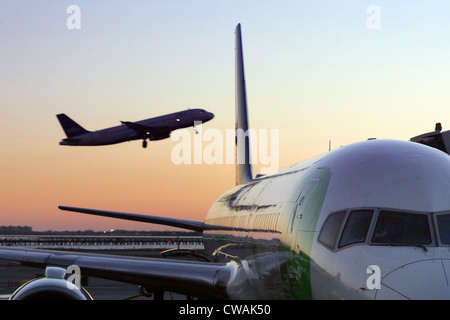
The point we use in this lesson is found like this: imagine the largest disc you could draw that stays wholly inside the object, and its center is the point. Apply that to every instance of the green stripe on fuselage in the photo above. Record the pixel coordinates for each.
(296, 252)
(277, 262)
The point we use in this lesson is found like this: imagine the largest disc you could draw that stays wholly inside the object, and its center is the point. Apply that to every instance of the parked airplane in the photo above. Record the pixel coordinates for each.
(157, 128)
(366, 221)
(436, 139)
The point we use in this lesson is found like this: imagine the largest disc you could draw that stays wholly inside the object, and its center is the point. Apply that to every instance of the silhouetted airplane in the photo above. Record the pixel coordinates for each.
(153, 129)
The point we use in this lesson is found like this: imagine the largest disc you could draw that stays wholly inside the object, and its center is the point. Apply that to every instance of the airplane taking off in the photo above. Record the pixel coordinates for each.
(366, 221)
(153, 129)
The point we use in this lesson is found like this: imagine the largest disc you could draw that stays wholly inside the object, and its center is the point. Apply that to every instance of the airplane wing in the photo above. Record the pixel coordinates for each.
(199, 279)
(172, 222)
(179, 223)
(145, 130)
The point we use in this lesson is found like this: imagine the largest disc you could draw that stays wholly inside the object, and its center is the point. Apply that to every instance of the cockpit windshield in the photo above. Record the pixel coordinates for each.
(402, 228)
(385, 227)
(443, 222)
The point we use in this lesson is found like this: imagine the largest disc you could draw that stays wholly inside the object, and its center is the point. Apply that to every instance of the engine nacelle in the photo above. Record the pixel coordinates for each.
(52, 287)
(160, 136)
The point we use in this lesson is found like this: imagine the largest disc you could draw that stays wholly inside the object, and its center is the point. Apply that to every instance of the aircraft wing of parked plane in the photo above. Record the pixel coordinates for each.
(207, 280)
(179, 223)
(152, 129)
(198, 279)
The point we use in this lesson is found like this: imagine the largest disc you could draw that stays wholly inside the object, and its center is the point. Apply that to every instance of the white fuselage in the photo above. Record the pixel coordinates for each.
(274, 223)
(377, 175)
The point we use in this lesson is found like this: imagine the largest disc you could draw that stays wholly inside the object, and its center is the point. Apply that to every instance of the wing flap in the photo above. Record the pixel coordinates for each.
(200, 279)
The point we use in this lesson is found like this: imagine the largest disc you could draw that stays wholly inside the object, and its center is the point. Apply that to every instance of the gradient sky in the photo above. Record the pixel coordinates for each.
(314, 70)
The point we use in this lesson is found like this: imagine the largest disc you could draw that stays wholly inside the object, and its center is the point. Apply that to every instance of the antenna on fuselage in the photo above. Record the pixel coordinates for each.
(244, 168)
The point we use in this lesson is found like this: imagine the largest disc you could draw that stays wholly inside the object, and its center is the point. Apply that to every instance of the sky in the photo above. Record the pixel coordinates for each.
(316, 71)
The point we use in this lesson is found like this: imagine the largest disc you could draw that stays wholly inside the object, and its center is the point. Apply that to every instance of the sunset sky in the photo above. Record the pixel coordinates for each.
(315, 70)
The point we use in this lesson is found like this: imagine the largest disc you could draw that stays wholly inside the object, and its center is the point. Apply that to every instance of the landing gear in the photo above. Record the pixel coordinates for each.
(156, 293)
(144, 144)
(145, 292)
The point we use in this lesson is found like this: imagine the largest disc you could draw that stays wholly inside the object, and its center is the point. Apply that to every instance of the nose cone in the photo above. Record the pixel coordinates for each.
(422, 280)
(209, 116)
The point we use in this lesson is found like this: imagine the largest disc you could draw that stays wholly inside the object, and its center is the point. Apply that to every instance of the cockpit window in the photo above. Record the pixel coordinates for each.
(356, 227)
(402, 228)
(330, 229)
(444, 227)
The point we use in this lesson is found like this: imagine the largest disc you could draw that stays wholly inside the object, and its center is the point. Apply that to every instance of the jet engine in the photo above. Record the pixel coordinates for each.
(159, 136)
(53, 287)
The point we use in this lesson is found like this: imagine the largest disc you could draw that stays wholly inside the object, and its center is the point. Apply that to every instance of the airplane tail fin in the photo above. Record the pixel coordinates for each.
(70, 127)
(244, 168)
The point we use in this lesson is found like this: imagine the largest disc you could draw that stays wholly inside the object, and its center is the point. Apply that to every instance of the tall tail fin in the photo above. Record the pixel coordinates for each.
(244, 168)
(70, 127)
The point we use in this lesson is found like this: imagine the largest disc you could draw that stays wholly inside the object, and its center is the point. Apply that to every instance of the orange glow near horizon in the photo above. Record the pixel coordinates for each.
(119, 178)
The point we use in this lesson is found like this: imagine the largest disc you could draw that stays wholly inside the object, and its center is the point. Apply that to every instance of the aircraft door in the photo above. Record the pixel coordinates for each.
(297, 213)
(301, 231)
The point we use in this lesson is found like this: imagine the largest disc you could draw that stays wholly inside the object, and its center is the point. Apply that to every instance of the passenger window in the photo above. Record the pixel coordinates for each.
(402, 228)
(330, 229)
(444, 228)
(356, 227)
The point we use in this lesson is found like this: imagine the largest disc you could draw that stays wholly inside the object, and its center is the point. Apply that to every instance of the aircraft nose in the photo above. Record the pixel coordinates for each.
(422, 280)
(209, 116)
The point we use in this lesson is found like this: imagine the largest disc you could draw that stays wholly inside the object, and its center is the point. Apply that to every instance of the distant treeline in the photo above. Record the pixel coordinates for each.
(16, 230)
(27, 230)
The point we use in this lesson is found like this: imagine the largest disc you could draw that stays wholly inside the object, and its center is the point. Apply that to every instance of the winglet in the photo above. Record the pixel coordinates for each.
(244, 168)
